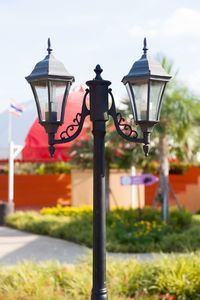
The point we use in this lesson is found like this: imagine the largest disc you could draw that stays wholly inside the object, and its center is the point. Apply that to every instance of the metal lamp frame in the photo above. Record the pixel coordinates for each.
(98, 91)
(99, 113)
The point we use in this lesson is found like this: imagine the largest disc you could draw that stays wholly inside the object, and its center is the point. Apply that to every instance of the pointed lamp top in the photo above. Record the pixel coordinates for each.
(49, 49)
(146, 68)
(145, 46)
(50, 67)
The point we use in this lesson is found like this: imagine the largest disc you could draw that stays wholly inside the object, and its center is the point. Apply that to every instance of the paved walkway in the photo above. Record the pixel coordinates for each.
(17, 246)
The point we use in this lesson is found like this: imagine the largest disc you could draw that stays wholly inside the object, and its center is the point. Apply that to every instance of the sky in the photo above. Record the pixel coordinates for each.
(86, 33)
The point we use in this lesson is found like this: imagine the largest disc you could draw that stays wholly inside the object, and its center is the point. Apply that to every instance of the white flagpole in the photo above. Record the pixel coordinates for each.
(11, 162)
(14, 150)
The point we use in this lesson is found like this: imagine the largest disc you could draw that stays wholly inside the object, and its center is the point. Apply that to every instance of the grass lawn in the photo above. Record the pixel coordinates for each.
(125, 232)
(167, 278)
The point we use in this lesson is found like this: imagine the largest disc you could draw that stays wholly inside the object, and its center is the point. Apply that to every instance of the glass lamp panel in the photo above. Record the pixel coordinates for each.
(140, 91)
(131, 99)
(57, 94)
(156, 90)
(41, 91)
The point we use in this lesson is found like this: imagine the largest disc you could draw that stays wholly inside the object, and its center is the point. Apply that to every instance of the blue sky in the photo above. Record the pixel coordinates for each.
(86, 33)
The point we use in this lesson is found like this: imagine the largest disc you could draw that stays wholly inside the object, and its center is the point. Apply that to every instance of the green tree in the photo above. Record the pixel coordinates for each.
(178, 120)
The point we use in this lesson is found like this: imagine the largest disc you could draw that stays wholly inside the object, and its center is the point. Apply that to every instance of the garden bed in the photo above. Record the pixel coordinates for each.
(127, 230)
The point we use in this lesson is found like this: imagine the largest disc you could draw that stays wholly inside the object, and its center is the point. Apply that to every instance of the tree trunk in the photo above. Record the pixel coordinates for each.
(107, 186)
(164, 175)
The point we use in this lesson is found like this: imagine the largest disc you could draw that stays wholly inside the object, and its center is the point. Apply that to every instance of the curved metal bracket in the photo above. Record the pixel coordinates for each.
(124, 129)
(68, 135)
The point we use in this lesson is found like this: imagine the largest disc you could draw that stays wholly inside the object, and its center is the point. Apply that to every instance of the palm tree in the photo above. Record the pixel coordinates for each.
(177, 122)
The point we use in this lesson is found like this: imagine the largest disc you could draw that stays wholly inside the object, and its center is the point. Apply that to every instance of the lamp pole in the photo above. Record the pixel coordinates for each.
(99, 290)
(99, 116)
(145, 84)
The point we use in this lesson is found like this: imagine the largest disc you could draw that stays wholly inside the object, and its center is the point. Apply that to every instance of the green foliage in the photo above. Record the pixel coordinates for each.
(168, 277)
(43, 168)
(179, 168)
(198, 211)
(82, 151)
(118, 153)
(3, 169)
(127, 230)
(179, 118)
(179, 219)
(53, 168)
(175, 168)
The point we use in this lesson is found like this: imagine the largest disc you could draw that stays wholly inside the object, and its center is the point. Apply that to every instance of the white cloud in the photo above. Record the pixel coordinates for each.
(183, 21)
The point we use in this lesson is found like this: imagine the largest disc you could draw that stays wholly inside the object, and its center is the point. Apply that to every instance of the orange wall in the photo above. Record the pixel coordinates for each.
(37, 190)
(47, 190)
(186, 188)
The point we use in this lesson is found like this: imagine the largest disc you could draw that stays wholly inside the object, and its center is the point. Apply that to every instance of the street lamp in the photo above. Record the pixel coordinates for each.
(145, 83)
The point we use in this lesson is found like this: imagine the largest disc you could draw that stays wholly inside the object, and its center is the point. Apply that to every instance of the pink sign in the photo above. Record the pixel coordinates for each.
(146, 179)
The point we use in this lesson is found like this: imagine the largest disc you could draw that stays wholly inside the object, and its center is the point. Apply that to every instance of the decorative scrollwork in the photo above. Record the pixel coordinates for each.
(70, 129)
(73, 130)
(126, 127)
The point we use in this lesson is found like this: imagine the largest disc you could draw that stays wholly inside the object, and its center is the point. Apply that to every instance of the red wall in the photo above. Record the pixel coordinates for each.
(186, 188)
(37, 190)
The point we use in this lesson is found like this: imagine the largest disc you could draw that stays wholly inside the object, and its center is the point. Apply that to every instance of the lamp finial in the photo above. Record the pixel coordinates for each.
(145, 46)
(49, 49)
(98, 70)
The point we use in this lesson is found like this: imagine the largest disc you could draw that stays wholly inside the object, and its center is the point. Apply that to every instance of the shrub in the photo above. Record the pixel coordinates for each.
(174, 168)
(67, 211)
(53, 168)
(44, 168)
(179, 219)
(127, 217)
(125, 231)
(178, 168)
(198, 211)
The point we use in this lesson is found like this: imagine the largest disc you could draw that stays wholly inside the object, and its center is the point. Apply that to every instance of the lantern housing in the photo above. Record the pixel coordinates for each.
(50, 83)
(145, 84)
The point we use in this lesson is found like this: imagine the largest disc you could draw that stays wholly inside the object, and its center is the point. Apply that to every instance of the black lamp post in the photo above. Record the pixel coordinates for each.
(145, 84)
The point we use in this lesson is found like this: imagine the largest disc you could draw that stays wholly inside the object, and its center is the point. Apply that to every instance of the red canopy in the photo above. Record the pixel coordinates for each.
(36, 147)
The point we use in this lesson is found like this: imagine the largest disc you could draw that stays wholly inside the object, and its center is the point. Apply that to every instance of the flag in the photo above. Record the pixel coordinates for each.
(16, 109)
